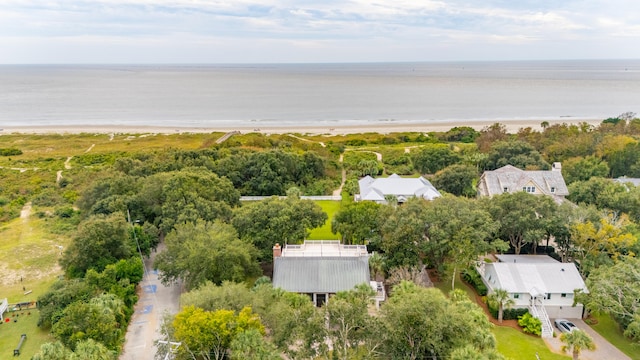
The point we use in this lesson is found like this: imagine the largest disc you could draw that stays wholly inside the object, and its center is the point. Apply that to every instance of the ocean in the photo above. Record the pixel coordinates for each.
(316, 94)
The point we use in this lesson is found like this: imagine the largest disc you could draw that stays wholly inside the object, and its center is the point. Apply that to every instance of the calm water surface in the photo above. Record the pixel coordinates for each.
(210, 95)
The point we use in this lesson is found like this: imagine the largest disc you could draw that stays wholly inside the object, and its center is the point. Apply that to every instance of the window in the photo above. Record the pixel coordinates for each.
(529, 189)
(505, 189)
(563, 295)
(516, 296)
(553, 189)
(548, 296)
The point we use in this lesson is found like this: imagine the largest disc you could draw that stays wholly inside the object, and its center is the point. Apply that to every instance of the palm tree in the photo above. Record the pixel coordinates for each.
(576, 341)
(502, 298)
(376, 265)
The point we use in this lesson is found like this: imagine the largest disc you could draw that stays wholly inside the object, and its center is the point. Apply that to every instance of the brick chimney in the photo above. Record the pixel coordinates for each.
(277, 251)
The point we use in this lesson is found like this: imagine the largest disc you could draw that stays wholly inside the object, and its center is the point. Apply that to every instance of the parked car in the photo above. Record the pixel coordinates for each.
(565, 325)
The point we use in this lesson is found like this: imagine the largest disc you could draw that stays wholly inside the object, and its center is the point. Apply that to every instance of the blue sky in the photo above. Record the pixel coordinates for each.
(258, 31)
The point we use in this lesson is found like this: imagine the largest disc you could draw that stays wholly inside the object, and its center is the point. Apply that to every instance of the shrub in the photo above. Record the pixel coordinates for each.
(530, 325)
(507, 314)
(471, 277)
(10, 152)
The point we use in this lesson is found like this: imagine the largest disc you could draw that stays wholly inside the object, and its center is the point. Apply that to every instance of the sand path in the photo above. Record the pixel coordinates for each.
(307, 140)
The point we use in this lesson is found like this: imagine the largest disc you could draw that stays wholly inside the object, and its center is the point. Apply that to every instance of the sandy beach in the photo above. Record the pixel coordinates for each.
(512, 126)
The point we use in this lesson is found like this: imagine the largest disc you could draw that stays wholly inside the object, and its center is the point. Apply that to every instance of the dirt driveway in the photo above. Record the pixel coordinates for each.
(604, 349)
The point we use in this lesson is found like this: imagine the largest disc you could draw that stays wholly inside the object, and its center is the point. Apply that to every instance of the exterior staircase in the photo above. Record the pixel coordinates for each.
(538, 311)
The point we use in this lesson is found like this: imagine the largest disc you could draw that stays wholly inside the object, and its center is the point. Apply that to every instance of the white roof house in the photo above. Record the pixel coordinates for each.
(511, 179)
(536, 278)
(402, 188)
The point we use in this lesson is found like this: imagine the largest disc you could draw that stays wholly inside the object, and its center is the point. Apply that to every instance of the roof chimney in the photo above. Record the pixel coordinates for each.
(277, 251)
(556, 166)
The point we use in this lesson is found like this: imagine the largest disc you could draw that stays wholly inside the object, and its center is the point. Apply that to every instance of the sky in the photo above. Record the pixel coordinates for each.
(315, 31)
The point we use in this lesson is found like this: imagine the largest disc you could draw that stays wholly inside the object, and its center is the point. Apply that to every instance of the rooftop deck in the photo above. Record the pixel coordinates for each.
(324, 248)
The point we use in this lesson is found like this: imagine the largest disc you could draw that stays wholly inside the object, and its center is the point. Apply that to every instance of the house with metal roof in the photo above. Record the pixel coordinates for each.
(537, 282)
(626, 180)
(509, 179)
(401, 188)
(321, 268)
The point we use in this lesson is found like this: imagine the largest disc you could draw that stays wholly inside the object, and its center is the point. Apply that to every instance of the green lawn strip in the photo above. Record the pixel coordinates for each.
(324, 232)
(445, 287)
(609, 330)
(29, 255)
(26, 324)
(515, 345)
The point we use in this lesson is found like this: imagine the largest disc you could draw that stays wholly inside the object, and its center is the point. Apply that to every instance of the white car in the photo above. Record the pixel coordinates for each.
(565, 325)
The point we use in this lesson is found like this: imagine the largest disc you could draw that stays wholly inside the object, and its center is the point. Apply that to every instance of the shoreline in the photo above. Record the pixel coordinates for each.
(512, 126)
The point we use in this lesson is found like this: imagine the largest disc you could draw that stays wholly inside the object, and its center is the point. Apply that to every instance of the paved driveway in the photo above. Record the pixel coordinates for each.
(604, 349)
(154, 300)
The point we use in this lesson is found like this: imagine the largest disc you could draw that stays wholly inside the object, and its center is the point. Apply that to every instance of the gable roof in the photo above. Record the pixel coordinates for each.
(535, 278)
(320, 274)
(376, 189)
(513, 179)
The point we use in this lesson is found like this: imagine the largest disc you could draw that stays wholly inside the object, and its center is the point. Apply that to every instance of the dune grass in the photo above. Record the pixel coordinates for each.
(26, 323)
(324, 232)
(610, 330)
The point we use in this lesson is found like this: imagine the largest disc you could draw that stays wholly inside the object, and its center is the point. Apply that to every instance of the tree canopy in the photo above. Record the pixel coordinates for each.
(285, 221)
(206, 251)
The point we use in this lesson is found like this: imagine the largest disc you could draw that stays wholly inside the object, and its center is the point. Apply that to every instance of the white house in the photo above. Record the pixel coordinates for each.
(321, 268)
(509, 179)
(537, 282)
(402, 188)
(625, 180)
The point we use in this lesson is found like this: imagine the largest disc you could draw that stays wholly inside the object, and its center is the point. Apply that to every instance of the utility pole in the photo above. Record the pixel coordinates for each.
(172, 347)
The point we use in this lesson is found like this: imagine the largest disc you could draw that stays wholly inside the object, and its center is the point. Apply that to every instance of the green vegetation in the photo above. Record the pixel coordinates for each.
(514, 344)
(26, 323)
(102, 195)
(610, 330)
(323, 232)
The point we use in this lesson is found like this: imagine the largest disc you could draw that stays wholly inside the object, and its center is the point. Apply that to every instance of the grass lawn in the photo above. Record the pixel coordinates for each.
(515, 345)
(445, 287)
(10, 334)
(29, 252)
(512, 343)
(609, 330)
(324, 232)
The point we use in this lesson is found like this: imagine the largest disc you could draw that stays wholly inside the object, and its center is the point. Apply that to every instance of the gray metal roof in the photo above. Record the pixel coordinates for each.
(537, 278)
(513, 179)
(624, 180)
(320, 274)
(376, 189)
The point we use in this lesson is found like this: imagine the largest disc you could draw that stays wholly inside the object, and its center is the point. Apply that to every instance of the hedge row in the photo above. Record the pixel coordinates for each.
(507, 314)
(472, 277)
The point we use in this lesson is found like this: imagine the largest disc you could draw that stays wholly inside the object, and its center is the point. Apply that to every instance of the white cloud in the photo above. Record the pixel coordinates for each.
(343, 29)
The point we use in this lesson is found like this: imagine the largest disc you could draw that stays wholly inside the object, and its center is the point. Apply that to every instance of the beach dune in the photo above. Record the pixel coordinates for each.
(512, 126)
